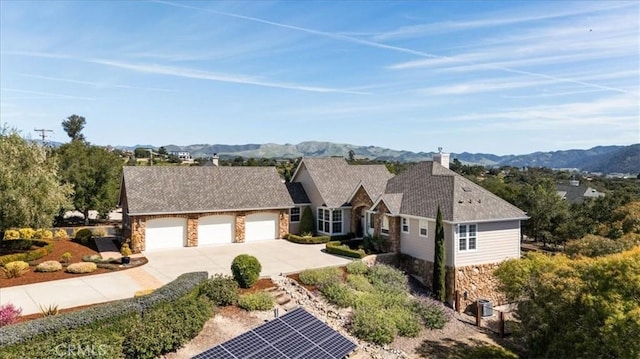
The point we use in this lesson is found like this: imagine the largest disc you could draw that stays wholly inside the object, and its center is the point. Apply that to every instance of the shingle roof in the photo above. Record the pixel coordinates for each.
(297, 193)
(393, 201)
(336, 180)
(427, 185)
(203, 189)
(577, 194)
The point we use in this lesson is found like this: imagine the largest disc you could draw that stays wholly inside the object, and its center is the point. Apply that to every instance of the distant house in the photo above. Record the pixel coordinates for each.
(576, 193)
(481, 229)
(183, 155)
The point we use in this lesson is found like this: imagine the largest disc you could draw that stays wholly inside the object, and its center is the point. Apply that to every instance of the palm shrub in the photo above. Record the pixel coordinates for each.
(15, 269)
(246, 270)
(307, 222)
(221, 289)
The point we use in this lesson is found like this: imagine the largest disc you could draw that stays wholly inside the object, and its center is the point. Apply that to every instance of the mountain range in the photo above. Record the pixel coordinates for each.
(605, 159)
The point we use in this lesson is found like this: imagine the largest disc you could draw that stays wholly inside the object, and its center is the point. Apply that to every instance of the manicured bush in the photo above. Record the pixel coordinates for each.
(125, 251)
(11, 234)
(60, 234)
(307, 223)
(27, 233)
(320, 276)
(246, 270)
(339, 294)
(373, 325)
(9, 314)
(221, 289)
(308, 239)
(108, 266)
(430, 311)
(82, 267)
(83, 235)
(49, 266)
(66, 257)
(43, 234)
(256, 301)
(387, 278)
(359, 283)
(99, 232)
(335, 247)
(357, 267)
(46, 248)
(15, 269)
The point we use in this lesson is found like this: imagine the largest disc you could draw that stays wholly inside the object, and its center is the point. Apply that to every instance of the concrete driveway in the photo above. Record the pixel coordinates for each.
(276, 257)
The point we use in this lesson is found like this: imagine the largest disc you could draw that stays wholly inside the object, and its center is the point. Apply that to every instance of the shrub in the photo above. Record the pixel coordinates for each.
(387, 279)
(373, 326)
(335, 247)
(359, 283)
(49, 266)
(307, 223)
(66, 257)
(321, 276)
(308, 240)
(431, 312)
(246, 270)
(221, 289)
(27, 233)
(357, 267)
(406, 322)
(125, 251)
(338, 294)
(108, 266)
(15, 269)
(60, 234)
(43, 234)
(84, 235)
(82, 267)
(11, 234)
(49, 310)
(9, 314)
(46, 248)
(256, 301)
(99, 232)
(594, 246)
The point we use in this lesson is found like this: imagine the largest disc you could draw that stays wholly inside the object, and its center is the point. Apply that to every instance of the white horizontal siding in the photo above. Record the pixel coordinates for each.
(496, 242)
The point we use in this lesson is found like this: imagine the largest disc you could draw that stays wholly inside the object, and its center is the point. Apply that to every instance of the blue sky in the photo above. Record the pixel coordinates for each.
(501, 77)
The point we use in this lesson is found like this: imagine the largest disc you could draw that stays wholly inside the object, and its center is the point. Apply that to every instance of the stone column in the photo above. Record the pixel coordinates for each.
(240, 225)
(283, 223)
(192, 231)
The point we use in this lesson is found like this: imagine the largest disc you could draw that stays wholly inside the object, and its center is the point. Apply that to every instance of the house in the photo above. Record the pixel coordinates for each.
(172, 207)
(481, 229)
(183, 155)
(576, 193)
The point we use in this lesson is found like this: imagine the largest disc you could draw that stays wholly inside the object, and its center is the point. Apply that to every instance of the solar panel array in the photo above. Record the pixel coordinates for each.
(297, 334)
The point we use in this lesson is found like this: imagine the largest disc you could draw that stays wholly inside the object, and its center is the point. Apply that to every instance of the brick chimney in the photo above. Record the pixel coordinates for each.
(442, 158)
(214, 159)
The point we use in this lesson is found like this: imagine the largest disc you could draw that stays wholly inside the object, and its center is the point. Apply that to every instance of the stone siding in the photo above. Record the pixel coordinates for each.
(394, 228)
(359, 201)
(241, 218)
(479, 283)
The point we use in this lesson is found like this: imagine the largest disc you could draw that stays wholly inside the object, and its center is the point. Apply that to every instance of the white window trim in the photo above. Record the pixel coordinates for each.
(330, 220)
(466, 237)
(426, 227)
(384, 226)
(299, 214)
(406, 220)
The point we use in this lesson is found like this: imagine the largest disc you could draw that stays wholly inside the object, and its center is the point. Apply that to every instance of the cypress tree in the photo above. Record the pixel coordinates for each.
(439, 271)
(307, 222)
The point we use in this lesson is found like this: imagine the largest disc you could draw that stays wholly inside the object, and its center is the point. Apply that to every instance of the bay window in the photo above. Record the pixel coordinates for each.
(330, 220)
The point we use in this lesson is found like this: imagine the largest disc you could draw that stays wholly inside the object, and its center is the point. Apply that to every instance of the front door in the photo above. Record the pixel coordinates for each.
(369, 223)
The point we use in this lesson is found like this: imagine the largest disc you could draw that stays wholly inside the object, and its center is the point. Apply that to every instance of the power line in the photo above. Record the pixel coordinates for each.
(43, 133)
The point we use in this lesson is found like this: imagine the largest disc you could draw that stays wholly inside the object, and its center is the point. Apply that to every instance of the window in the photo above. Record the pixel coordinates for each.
(385, 225)
(405, 225)
(330, 221)
(371, 220)
(423, 228)
(294, 214)
(467, 237)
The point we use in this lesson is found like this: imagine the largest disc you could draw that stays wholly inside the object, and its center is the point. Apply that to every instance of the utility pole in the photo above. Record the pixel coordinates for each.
(43, 133)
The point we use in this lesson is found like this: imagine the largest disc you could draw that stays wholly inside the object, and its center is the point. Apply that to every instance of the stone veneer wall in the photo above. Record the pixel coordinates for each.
(359, 200)
(394, 228)
(479, 283)
(138, 224)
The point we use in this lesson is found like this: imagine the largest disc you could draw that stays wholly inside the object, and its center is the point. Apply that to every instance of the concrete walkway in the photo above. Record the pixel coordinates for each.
(276, 257)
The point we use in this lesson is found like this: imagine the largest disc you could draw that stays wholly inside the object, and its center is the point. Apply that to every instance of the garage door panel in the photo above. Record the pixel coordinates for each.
(261, 226)
(217, 229)
(163, 233)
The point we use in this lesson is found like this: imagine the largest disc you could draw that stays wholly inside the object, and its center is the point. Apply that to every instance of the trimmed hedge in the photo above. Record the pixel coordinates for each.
(46, 248)
(41, 328)
(246, 270)
(308, 240)
(335, 247)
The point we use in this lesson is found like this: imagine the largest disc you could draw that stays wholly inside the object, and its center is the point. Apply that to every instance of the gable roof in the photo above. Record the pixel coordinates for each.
(577, 194)
(336, 180)
(427, 185)
(154, 190)
(393, 202)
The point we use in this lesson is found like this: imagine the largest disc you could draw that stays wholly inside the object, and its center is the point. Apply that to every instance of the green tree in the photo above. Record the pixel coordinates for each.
(585, 308)
(547, 212)
(73, 126)
(31, 193)
(141, 152)
(307, 222)
(162, 151)
(439, 270)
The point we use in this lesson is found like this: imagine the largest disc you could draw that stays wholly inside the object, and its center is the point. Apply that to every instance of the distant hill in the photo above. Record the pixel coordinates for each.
(606, 159)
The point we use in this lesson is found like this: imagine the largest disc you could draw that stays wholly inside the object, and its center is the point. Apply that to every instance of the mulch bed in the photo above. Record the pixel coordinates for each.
(77, 251)
(261, 284)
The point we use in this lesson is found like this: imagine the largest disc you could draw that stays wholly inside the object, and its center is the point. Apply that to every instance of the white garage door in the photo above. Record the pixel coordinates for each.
(166, 233)
(216, 230)
(259, 226)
